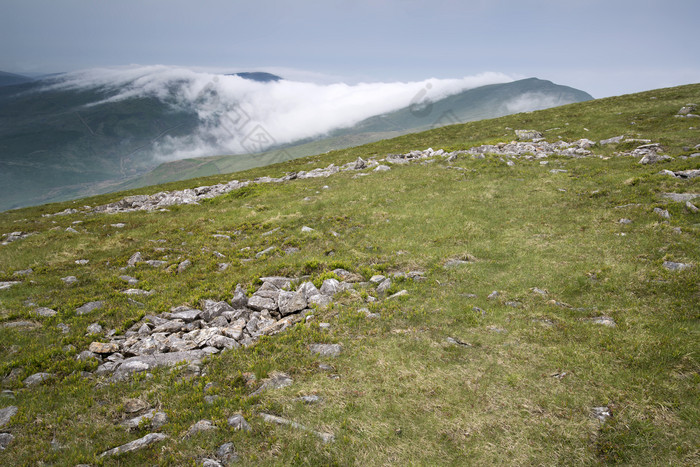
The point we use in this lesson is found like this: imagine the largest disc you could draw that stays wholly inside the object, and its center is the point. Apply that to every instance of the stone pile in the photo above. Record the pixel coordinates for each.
(535, 149)
(13, 237)
(188, 335)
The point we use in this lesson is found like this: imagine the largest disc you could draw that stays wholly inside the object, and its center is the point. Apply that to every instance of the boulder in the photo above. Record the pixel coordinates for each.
(291, 302)
(135, 445)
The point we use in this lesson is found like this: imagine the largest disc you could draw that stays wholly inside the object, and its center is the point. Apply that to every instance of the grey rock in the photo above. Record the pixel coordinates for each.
(384, 286)
(312, 399)
(171, 326)
(219, 322)
(89, 307)
(673, 266)
(135, 405)
(5, 440)
(377, 279)
(330, 287)
(276, 380)
(382, 168)
(68, 280)
(7, 284)
(528, 134)
(151, 419)
(325, 437)
(135, 445)
(65, 329)
(326, 350)
(129, 280)
(321, 301)
(539, 291)
(400, 293)
(71, 230)
(226, 453)
(212, 309)
(119, 225)
(625, 221)
(613, 140)
(261, 303)
(223, 342)
(94, 328)
(605, 321)
(182, 267)
(156, 263)
(306, 229)
(82, 262)
(36, 379)
(206, 462)
(653, 158)
(663, 213)
(277, 281)
(103, 348)
(239, 299)
(691, 207)
(308, 289)
(262, 253)
(43, 312)
(135, 258)
(24, 272)
(601, 413)
(185, 314)
(20, 324)
(6, 414)
(681, 197)
(291, 302)
(493, 295)
(237, 422)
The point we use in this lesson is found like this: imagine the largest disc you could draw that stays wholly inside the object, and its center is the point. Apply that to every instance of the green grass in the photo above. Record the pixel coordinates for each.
(404, 394)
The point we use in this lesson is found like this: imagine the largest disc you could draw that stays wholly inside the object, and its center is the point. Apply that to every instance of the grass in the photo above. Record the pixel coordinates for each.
(403, 394)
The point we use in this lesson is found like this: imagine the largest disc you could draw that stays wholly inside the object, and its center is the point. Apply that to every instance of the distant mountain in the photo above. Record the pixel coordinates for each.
(480, 103)
(9, 79)
(259, 76)
(60, 142)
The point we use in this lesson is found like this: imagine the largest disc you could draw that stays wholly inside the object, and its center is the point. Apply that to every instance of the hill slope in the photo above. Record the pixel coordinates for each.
(10, 79)
(473, 104)
(549, 316)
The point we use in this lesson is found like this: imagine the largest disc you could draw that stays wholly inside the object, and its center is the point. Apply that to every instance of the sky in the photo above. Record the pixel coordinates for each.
(606, 47)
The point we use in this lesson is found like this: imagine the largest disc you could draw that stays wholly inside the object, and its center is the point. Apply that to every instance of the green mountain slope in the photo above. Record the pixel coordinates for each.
(547, 308)
(470, 105)
(10, 79)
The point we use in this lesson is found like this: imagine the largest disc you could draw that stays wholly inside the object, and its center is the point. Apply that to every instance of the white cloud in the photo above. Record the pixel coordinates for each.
(239, 115)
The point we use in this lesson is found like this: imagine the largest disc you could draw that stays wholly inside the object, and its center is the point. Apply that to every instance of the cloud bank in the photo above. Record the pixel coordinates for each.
(238, 115)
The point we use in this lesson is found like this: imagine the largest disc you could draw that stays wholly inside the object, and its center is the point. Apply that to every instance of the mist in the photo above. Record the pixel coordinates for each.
(238, 115)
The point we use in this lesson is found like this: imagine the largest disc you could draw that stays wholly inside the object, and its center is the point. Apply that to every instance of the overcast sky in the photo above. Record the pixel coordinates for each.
(604, 47)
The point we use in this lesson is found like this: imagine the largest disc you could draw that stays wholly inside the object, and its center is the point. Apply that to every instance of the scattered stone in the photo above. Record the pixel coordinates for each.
(312, 399)
(479, 310)
(8, 284)
(265, 251)
(691, 207)
(82, 262)
(65, 329)
(663, 213)
(150, 419)
(382, 168)
(24, 272)
(377, 279)
(135, 445)
(276, 380)
(129, 280)
(89, 307)
(237, 422)
(135, 405)
(200, 426)
(226, 453)
(330, 287)
(400, 293)
(103, 348)
(513, 304)
(68, 280)
(6, 414)
(94, 328)
(326, 350)
(602, 413)
(384, 286)
(527, 134)
(5, 440)
(681, 197)
(325, 437)
(155, 263)
(135, 259)
(605, 321)
(537, 290)
(613, 140)
(119, 225)
(673, 266)
(184, 265)
(493, 295)
(456, 341)
(138, 292)
(20, 324)
(36, 379)
(625, 221)
(306, 229)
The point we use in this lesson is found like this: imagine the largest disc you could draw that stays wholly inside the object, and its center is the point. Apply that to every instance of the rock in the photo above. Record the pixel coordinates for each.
(527, 134)
(129, 280)
(276, 380)
(692, 173)
(94, 328)
(308, 289)
(691, 207)
(239, 299)
(687, 109)
(653, 158)
(326, 350)
(119, 225)
(23, 272)
(306, 229)
(103, 348)
(223, 342)
(312, 399)
(663, 213)
(184, 265)
(89, 307)
(605, 321)
(325, 437)
(261, 303)
(265, 251)
(5, 440)
(613, 140)
(237, 422)
(377, 279)
(400, 293)
(384, 286)
(68, 280)
(226, 453)
(36, 379)
(330, 287)
(455, 341)
(135, 445)
(681, 197)
(185, 314)
(493, 295)
(291, 302)
(82, 262)
(382, 168)
(7, 284)
(6, 414)
(156, 263)
(150, 419)
(602, 413)
(537, 290)
(624, 221)
(21, 324)
(321, 301)
(135, 258)
(673, 266)
(71, 230)
(65, 329)
(135, 405)
(206, 462)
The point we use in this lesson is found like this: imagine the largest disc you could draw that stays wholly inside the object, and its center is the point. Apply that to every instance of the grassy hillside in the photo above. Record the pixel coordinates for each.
(444, 375)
